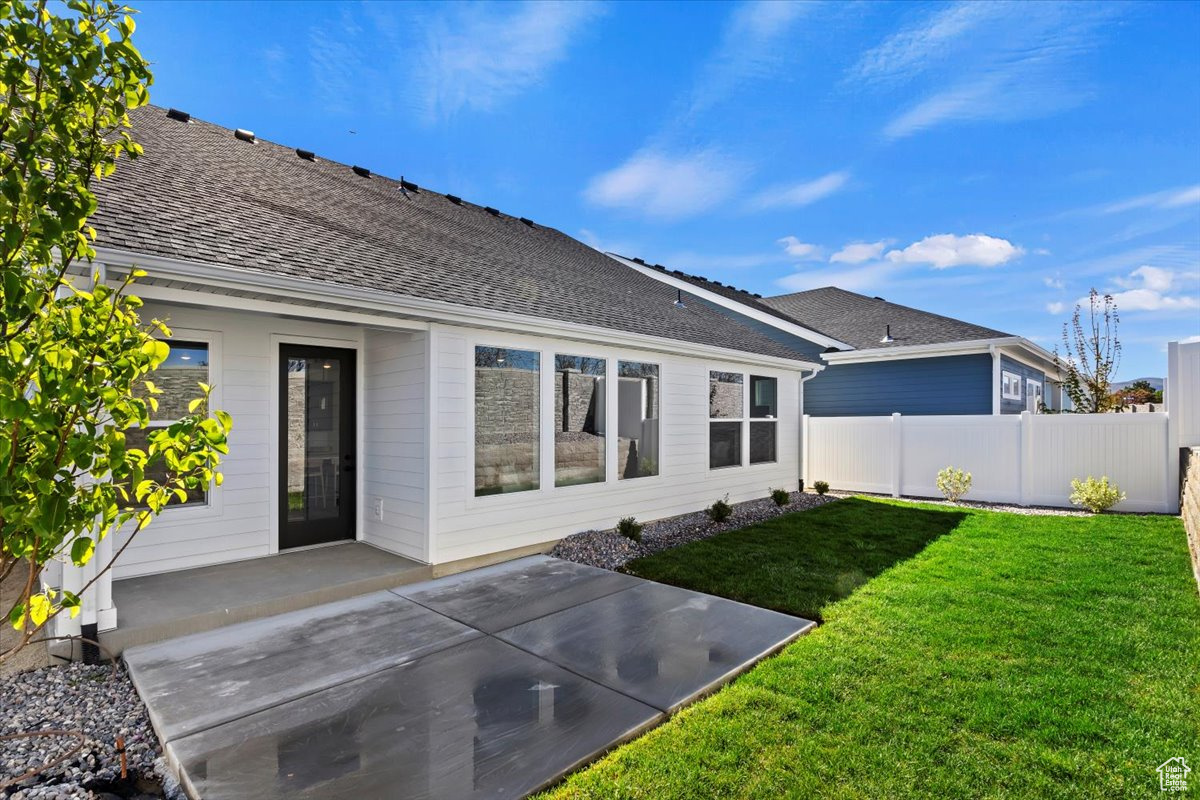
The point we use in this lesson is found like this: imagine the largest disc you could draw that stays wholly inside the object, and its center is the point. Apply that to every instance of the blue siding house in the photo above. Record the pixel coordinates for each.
(883, 358)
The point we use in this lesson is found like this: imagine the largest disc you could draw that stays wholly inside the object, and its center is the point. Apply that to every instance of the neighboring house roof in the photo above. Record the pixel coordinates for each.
(862, 321)
(200, 194)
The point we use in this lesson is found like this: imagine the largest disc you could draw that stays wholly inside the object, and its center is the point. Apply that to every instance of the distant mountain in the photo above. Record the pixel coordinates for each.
(1157, 383)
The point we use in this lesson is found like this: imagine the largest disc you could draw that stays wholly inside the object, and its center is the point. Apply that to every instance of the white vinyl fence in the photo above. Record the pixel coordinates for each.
(1027, 459)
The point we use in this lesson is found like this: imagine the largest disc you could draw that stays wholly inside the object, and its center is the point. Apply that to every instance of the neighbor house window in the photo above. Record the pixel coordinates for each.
(1033, 391)
(507, 420)
(726, 413)
(179, 378)
(579, 419)
(764, 411)
(637, 419)
(1011, 386)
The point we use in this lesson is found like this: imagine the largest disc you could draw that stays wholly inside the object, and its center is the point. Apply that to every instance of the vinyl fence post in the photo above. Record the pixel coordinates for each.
(1026, 452)
(1173, 407)
(897, 453)
(804, 454)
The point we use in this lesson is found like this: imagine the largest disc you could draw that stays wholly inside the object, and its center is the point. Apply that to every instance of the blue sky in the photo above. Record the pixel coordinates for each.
(986, 161)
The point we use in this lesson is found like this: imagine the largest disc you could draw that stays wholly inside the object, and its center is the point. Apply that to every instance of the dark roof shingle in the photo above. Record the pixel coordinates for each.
(199, 194)
(861, 321)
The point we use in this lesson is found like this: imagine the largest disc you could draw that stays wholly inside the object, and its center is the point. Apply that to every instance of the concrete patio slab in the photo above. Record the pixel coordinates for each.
(169, 604)
(479, 720)
(660, 644)
(505, 595)
(234, 671)
(428, 697)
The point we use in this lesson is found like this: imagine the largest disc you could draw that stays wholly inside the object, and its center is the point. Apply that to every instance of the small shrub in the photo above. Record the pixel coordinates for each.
(781, 497)
(720, 510)
(953, 483)
(821, 486)
(630, 528)
(1095, 495)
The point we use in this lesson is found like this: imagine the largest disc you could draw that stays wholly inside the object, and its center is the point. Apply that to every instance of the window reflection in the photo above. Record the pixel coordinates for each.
(579, 420)
(507, 417)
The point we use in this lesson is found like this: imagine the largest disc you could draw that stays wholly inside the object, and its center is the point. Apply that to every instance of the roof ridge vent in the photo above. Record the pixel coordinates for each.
(244, 135)
(527, 221)
(495, 212)
(453, 198)
(641, 261)
(307, 155)
(179, 116)
(409, 185)
(362, 171)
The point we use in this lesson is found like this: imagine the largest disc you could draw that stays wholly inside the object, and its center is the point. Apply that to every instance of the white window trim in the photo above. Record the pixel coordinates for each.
(1010, 378)
(213, 505)
(546, 350)
(615, 398)
(1029, 393)
(744, 458)
(750, 420)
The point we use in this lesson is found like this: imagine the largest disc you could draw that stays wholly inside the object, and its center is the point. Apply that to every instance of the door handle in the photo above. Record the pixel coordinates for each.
(348, 466)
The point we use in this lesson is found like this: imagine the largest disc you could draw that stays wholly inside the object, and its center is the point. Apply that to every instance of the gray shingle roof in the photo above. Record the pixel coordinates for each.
(200, 194)
(860, 321)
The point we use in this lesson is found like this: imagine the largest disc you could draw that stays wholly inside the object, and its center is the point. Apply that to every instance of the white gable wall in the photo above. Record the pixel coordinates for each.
(465, 526)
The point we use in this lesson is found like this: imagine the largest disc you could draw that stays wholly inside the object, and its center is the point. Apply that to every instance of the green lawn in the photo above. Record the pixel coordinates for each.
(1014, 656)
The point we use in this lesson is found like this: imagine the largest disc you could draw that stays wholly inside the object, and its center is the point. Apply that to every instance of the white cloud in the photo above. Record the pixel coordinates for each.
(801, 194)
(477, 55)
(1041, 251)
(1171, 198)
(985, 61)
(1056, 308)
(1054, 282)
(947, 250)
(668, 186)
(1146, 289)
(858, 252)
(753, 46)
(798, 249)
(1190, 339)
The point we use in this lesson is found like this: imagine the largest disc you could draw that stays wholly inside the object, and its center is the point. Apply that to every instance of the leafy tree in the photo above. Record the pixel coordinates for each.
(1092, 355)
(75, 358)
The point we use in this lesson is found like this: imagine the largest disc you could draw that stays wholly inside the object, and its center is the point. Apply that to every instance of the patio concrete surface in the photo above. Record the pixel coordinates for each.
(487, 684)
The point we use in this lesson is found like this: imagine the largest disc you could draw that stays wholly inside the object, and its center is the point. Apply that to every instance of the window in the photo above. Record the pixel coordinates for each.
(507, 420)
(725, 412)
(579, 420)
(637, 419)
(1010, 386)
(764, 411)
(1033, 391)
(177, 377)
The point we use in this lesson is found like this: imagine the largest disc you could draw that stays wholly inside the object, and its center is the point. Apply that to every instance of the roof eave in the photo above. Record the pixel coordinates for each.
(298, 291)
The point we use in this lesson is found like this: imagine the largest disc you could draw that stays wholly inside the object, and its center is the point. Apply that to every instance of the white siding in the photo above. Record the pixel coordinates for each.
(239, 521)
(393, 459)
(467, 526)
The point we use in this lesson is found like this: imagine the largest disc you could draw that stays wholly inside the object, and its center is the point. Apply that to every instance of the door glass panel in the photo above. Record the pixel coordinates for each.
(313, 438)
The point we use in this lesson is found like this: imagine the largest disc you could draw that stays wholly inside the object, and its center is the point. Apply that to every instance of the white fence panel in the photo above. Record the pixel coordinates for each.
(851, 453)
(988, 447)
(1183, 390)
(1026, 459)
(1131, 449)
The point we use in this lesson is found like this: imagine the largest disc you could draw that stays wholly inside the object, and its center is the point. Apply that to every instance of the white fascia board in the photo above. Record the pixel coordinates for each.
(1029, 354)
(733, 305)
(287, 288)
(917, 351)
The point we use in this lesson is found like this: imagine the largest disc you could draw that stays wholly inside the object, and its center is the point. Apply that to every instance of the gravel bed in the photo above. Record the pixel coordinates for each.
(610, 550)
(76, 696)
(1030, 511)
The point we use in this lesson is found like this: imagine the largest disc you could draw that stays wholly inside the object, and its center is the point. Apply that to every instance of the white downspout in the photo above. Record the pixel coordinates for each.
(804, 422)
(995, 378)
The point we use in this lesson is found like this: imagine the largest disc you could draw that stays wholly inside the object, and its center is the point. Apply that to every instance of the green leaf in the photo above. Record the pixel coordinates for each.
(82, 550)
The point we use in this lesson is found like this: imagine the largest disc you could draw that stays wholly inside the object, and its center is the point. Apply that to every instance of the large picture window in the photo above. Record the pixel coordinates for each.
(764, 411)
(178, 377)
(637, 419)
(725, 412)
(507, 420)
(579, 420)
